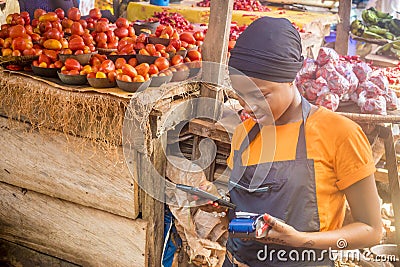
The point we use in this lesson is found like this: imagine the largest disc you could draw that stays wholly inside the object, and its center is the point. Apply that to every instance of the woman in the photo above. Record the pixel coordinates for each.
(321, 159)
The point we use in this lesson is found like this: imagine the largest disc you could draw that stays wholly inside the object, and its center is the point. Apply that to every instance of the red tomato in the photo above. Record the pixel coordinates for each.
(153, 69)
(199, 36)
(76, 44)
(177, 59)
(142, 69)
(160, 47)
(121, 32)
(16, 31)
(74, 14)
(150, 48)
(133, 62)
(122, 23)
(194, 55)
(72, 64)
(38, 12)
(101, 26)
(107, 66)
(126, 78)
(60, 13)
(44, 58)
(129, 70)
(120, 62)
(187, 37)
(77, 28)
(95, 13)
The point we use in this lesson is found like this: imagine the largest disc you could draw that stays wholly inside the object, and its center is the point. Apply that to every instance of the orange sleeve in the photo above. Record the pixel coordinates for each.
(353, 161)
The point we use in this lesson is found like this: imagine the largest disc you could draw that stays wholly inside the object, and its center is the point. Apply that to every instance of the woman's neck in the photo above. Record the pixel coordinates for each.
(293, 112)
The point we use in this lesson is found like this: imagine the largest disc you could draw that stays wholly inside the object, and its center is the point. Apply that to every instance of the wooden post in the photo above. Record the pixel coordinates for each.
(215, 49)
(152, 207)
(394, 182)
(343, 27)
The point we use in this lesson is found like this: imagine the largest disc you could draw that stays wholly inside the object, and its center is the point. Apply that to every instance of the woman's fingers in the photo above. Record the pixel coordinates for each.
(275, 223)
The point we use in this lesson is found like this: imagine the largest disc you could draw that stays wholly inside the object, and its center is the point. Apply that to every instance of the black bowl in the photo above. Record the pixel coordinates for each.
(145, 59)
(132, 87)
(157, 81)
(101, 83)
(152, 26)
(45, 72)
(158, 40)
(72, 79)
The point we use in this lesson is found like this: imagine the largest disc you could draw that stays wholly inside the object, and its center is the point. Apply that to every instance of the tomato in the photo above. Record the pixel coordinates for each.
(83, 23)
(110, 36)
(74, 14)
(121, 32)
(161, 63)
(35, 63)
(87, 38)
(94, 61)
(199, 36)
(58, 64)
(16, 53)
(101, 75)
(170, 48)
(112, 75)
(177, 59)
(107, 66)
(78, 52)
(91, 75)
(101, 37)
(28, 29)
(126, 50)
(139, 46)
(51, 54)
(14, 67)
(139, 79)
(53, 34)
(187, 37)
(160, 47)
(126, 78)
(51, 16)
(122, 23)
(131, 32)
(6, 52)
(57, 25)
(73, 72)
(113, 44)
(16, 31)
(26, 17)
(60, 13)
(129, 70)
(67, 23)
(119, 63)
(144, 52)
(44, 58)
(38, 12)
(150, 48)
(18, 43)
(168, 30)
(72, 64)
(141, 38)
(175, 43)
(153, 69)
(45, 26)
(133, 62)
(77, 28)
(95, 13)
(76, 44)
(142, 69)
(29, 52)
(101, 26)
(194, 55)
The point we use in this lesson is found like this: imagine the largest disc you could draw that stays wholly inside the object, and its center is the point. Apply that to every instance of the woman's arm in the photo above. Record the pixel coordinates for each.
(365, 231)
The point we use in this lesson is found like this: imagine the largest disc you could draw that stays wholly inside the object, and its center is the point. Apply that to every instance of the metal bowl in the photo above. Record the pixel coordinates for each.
(45, 72)
(145, 59)
(132, 87)
(194, 72)
(179, 76)
(157, 81)
(152, 26)
(72, 79)
(384, 249)
(101, 83)
(83, 58)
(158, 40)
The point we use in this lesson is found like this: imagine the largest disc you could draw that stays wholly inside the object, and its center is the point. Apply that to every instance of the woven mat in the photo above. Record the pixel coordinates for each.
(55, 82)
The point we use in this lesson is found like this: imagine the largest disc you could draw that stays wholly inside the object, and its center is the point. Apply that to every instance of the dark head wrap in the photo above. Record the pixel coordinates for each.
(269, 49)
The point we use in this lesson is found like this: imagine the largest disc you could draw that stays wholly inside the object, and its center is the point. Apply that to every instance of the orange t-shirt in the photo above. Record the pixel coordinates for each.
(341, 152)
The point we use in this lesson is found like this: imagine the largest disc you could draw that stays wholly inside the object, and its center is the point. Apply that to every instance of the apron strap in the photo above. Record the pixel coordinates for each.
(301, 148)
(255, 130)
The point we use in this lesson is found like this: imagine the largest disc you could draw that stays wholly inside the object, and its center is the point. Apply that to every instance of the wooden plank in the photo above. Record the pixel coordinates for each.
(78, 234)
(153, 190)
(12, 254)
(343, 27)
(210, 130)
(394, 182)
(48, 163)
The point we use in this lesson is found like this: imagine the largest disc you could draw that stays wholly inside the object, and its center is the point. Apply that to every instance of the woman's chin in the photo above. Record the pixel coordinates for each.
(264, 120)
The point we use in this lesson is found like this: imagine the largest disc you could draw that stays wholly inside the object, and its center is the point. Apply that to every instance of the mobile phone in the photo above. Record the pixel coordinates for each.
(203, 194)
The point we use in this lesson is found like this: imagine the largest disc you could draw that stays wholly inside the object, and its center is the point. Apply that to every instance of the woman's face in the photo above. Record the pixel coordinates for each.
(265, 101)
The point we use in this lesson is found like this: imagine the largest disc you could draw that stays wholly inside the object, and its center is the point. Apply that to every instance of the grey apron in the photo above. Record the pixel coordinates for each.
(283, 189)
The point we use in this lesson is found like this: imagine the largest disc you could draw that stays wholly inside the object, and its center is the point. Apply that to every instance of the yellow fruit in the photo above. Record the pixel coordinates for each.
(101, 75)
(52, 44)
(6, 52)
(43, 65)
(63, 68)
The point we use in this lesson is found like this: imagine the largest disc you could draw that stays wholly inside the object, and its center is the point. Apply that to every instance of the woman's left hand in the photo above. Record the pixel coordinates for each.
(282, 234)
